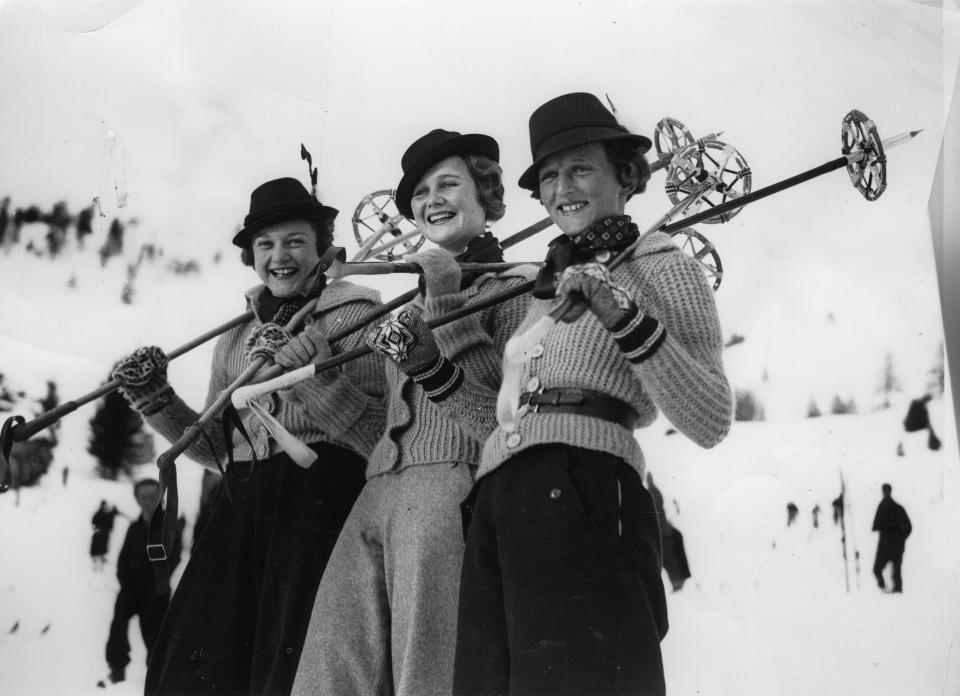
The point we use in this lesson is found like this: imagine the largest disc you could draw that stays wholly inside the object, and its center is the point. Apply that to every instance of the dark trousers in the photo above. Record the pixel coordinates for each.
(149, 607)
(561, 590)
(889, 552)
(239, 616)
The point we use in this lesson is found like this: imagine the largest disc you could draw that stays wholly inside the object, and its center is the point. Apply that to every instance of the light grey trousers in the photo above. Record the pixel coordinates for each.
(384, 622)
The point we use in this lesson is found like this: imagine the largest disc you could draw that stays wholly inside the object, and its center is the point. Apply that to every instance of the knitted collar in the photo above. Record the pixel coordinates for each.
(613, 234)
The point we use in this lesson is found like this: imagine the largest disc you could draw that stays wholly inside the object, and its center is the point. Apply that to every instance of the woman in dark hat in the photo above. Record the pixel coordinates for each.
(237, 620)
(384, 620)
(561, 590)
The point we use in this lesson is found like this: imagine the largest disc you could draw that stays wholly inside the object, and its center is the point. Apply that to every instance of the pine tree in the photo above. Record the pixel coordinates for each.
(117, 438)
(813, 411)
(889, 382)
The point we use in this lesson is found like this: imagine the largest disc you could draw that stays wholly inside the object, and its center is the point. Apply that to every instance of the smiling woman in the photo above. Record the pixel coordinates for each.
(237, 620)
(560, 589)
(385, 614)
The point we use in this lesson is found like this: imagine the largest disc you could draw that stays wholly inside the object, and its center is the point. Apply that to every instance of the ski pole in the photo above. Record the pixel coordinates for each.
(348, 268)
(193, 431)
(29, 429)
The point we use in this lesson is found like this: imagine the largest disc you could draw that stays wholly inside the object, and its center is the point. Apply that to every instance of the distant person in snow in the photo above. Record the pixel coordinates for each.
(893, 524)
(918, 418)
(792, 511)
(674, 554)
(4, 219)
(138, 595)
(84, 225)
(102, 527)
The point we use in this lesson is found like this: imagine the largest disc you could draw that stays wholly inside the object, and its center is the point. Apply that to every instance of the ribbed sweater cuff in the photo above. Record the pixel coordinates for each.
(638, 335)
(439, 379)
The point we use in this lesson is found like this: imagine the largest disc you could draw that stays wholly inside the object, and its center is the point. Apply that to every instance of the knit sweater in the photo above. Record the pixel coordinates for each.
(683, 377)
(343, 406)
(418, 432)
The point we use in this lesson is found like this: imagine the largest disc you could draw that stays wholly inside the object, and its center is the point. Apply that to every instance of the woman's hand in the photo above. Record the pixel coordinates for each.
(143, 379)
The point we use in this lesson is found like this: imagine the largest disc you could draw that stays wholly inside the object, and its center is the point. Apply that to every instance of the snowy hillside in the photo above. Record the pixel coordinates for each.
(766, 611)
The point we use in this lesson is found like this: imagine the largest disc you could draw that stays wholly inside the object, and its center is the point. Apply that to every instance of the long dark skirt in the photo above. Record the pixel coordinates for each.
(238, 618)
(561, 590)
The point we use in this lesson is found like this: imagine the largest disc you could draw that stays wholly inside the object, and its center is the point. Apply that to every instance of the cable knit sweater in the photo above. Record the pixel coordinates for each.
(343, 406)
(683, 377)
(417, 432)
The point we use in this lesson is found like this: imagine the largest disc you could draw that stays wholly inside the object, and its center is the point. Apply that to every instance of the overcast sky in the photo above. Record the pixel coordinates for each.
(177, 109)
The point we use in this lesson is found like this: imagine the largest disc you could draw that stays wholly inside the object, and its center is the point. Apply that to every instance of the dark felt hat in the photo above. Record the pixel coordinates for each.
(434, 147)
(570, 121)
(281, 200)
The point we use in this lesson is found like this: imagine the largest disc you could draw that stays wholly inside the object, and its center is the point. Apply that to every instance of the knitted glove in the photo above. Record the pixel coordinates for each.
(265, 340)
(592, 281)
(637, 334)
(441, 272)
(309, 346)
(143, 379)
(409, 342)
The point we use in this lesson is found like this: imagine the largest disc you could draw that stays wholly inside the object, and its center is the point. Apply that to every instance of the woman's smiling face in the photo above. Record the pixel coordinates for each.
(446, 207)
(284, 255)
(580, 186)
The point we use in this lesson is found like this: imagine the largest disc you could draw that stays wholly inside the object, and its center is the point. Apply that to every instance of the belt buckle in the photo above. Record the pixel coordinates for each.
(533, 406)
(156, 552)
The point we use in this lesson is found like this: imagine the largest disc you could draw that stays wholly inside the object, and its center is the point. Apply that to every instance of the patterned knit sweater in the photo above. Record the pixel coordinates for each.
(683, 377)
(343, 406)
(417, 432)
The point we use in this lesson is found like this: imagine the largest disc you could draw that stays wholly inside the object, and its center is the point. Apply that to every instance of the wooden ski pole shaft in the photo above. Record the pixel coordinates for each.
(44, 420)
(349, 268)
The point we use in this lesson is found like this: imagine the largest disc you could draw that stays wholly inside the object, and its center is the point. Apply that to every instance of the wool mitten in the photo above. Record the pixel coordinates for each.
(265, 340)
(638, 334)
(441, 272)
(143, 379)
(309, 346)
(409, 342)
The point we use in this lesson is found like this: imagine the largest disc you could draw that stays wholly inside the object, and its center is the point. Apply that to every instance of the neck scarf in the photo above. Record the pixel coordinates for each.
(613, 234)
(280, 310)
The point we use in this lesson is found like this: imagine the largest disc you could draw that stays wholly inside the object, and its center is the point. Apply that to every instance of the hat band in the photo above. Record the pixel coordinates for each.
(590, 133)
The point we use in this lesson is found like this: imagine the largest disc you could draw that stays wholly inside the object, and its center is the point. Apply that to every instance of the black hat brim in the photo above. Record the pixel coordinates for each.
(472, 143)
(576, 137)
(312, 211)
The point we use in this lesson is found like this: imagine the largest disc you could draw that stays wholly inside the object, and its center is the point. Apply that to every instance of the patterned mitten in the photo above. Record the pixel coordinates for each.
(409, 342)
(143, 379)
(266, 340)
(638, 334)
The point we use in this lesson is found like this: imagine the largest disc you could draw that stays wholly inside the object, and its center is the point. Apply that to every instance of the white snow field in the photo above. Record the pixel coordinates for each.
(767, 610)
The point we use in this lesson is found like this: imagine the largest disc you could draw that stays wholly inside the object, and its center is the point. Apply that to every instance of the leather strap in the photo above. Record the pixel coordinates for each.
(585, 402)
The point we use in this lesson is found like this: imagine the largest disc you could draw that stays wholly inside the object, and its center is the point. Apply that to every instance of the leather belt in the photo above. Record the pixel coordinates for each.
(584, 402)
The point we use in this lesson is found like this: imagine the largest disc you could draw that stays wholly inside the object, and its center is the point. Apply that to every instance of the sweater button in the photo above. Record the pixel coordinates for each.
(533, 384)
(514, 439)
(555, 493)
(537, 351)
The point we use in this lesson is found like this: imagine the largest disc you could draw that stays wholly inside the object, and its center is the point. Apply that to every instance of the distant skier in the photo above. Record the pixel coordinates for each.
(674, 554)
(893, 524)
(792, 511)
(102, 526)
(138, 595)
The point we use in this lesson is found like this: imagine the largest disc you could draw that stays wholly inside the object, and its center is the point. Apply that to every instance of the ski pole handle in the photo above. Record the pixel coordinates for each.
(242, 395)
